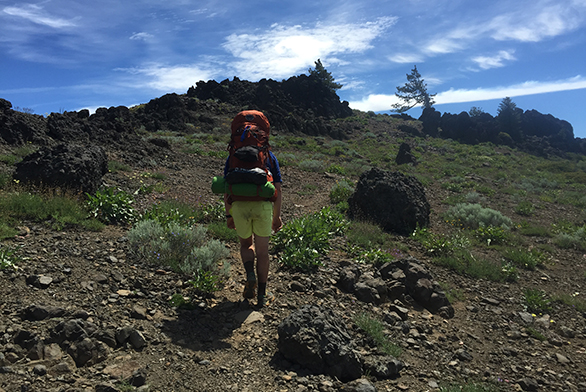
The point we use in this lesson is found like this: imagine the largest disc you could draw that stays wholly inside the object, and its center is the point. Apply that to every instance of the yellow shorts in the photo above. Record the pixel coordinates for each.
(252, 217)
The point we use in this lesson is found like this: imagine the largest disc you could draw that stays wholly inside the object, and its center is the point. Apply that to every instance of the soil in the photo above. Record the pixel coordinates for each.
(225, 344)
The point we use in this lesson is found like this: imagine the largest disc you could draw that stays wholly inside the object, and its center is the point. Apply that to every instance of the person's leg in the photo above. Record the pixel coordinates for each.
(247, 253)
(261, 245)
(262, 269)
(241, 214)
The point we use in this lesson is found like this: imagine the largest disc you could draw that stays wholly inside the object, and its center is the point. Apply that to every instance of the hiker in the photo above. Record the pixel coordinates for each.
(253, 217)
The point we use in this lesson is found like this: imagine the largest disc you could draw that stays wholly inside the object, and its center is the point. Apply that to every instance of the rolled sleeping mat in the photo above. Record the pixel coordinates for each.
(219, 185)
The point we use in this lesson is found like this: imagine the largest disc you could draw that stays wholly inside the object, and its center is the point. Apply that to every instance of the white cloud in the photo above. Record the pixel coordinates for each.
(496, 61)
(381, 102)
(542, 20)
(522, 22)
(37, 15)
(526, 88)
(443, 46)
(351, 85)
(170, 78)
(285, 50)
(375, 102)
(406, 58)
(142, 36)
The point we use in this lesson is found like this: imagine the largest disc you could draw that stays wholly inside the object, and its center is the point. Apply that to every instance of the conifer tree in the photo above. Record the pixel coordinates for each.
(413, 93)
(509, 118)
(325, 76)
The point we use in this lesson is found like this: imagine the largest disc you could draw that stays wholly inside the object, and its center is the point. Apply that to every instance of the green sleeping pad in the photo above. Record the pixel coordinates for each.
(219, 185)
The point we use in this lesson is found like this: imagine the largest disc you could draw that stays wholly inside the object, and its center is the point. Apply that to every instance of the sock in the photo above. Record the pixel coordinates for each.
(262, 289)
(249, 267)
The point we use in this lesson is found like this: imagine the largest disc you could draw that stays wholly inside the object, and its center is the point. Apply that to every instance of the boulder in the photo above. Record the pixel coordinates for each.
(392, 200)
(417, 282)
(67, 166)
(317, 339)
(405, 155)
(17, 128)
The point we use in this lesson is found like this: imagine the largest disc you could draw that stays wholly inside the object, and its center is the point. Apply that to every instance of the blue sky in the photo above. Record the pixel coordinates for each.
(60, 55)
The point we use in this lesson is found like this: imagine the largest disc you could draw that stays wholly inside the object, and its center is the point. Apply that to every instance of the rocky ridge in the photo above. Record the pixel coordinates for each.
(82, 314)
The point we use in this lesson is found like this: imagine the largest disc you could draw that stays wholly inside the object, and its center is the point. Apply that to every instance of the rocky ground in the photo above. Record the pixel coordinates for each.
(74, 284)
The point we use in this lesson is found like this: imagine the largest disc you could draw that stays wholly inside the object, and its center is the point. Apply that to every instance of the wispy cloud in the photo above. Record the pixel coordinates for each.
(544, 19)
(496, 61)
(526, 88)
(38, 15)
(381, 102)
(285, 50)
(169, 78)
(521, 22)
(406, 58)
(142, 36)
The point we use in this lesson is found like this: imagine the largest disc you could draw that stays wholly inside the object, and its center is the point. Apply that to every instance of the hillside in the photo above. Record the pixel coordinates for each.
(71, 281)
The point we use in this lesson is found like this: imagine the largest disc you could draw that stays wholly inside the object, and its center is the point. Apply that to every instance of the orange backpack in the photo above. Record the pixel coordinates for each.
(249, 152)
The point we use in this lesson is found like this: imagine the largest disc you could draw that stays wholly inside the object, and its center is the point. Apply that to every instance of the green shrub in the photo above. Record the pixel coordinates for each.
(367, 235)
(525, 208)
(287, 159)
(537, 186)
(356, 167)
(472, 216)
(211, 212)
(569, 241)
(572, 301)
(166, 245)
(168, 211)
(529, 260)
(485, 190)
(452, 187)
(60, 211)
(4, 180)
(491, 235)
(377, 256)
(110, 207)
(6, 231)
(464, 263)
(205, 281)
(375, 330)
(177, 300)
(509, 272)
(220, 231)
(312, 165)
(10, 159)
(440, 245)
(341, 191)
(336, 169)
(8, 257)
(342, 207)
(569, 236)
(536, 334)
(533, 231)
(473, 197)
(205, 258)
(536, 301)
(182, 248)
(304, 240)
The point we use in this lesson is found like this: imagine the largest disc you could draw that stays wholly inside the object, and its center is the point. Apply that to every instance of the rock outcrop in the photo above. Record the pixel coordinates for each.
(392, 200)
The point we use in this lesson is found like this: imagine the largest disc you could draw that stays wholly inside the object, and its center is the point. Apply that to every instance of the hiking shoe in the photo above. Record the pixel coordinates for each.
(249, 289)
(265, 300)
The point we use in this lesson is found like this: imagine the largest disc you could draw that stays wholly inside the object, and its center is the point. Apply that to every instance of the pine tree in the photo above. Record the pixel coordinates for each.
(413, 93)
(325, 76)
(509, 118)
